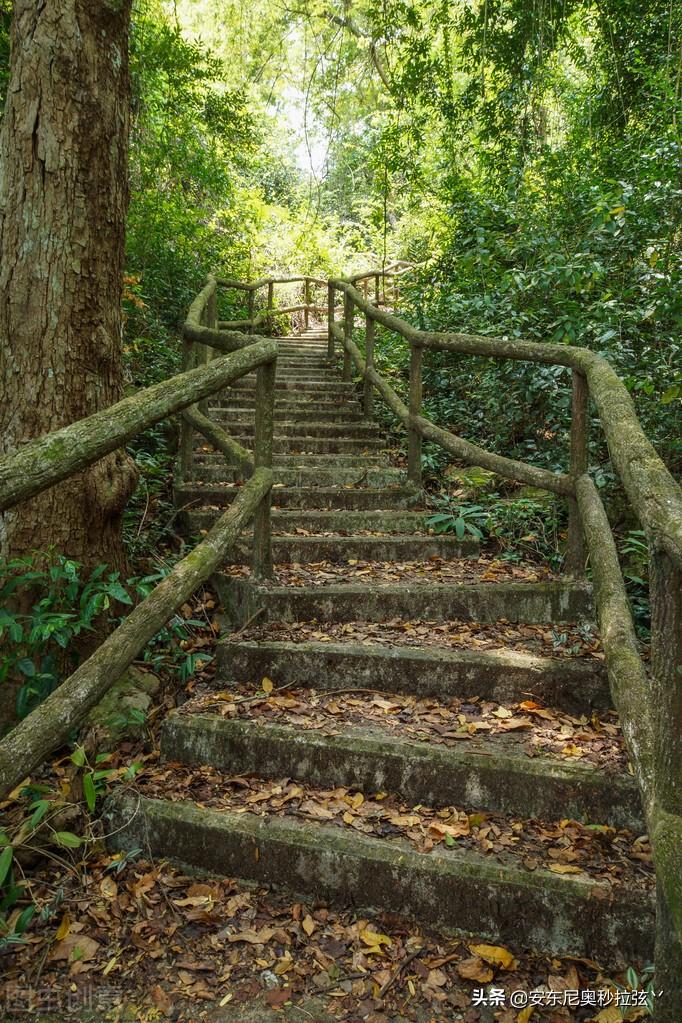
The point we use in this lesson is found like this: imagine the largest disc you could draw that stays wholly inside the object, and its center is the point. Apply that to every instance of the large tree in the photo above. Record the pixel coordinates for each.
(63, 201)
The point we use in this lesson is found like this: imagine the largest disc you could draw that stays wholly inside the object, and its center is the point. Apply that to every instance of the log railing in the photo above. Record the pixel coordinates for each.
(41, 463)
(649, 704)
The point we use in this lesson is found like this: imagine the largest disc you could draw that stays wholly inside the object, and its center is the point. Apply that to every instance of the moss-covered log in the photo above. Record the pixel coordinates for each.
(632, 694)
(220, 439)
(509, 468)
(50, 724)
(653, 493)
(46, 461)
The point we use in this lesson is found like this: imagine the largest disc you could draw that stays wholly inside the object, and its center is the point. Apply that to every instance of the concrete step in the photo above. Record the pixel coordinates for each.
(451, 889)
(331, 497)
(304, 443)
(342, 430)
(506, 676)
(493, 774)
(327, 387)
(556, 601)
(303, 550)
(311, 475)
(341, 413)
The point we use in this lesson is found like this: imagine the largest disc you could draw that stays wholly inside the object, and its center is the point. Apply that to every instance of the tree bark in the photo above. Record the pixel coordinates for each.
(63, 202)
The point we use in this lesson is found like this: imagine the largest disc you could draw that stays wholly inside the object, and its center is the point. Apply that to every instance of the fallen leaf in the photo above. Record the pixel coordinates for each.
(475, 969)
(494, 954)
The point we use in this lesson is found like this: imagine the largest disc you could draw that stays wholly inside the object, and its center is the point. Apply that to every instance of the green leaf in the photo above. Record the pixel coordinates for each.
(78, 757)
(24, 919)
(27, 667)
(6, 857)
(89, 792)
(68, 839)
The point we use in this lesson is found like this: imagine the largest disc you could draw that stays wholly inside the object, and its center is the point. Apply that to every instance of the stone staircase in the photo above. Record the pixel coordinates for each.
(441, 733)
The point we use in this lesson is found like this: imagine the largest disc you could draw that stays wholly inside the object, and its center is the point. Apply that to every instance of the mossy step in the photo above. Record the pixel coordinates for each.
(344, 414)
(336, 386)
(557, 601)
(291, 400)
(306, 549)
(322, 445)
(453, 890)
(305, 498)
(574, 685)
(244, 426)
(306, 475)
(493, 774)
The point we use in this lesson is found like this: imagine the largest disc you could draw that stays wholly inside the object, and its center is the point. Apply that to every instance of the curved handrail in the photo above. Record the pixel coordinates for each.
(650, 708)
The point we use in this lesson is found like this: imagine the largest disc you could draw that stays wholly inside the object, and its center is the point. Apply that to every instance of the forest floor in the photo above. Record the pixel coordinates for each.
(128, 939)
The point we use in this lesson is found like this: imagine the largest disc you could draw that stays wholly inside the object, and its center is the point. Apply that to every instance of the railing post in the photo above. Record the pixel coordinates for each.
(271, 305)
(262, 456)
(251, 313)
(331, 299)
(203, 353)
(576, 554)
(368, 387)
(665, 587)
(306, 299)
(376, 288)
(186, 444)
(348, 313)
(414, 439)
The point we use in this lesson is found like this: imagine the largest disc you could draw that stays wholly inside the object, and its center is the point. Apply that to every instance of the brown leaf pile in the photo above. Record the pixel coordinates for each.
(484, 569)
(613, 856)
(527, 726)
(149, 944)
(541, 640)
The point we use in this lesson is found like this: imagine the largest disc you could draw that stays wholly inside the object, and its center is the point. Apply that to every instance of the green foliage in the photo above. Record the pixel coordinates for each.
(45, 604)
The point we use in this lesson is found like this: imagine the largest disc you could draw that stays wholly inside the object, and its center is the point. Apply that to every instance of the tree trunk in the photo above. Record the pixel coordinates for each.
(63, 202)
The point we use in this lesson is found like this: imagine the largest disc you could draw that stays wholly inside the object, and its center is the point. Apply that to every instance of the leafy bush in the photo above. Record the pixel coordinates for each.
(44, 606)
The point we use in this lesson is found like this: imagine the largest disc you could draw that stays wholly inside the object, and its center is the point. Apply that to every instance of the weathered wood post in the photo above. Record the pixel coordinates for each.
(376, 288)
(186, 443)
(271, 305)
(348, 313)
(204, 352)
(331, 299)
(665, 587)
(262, 456)
(306, 299)
(252, 307)
(576, 555)
(368, 387)
(414, 439)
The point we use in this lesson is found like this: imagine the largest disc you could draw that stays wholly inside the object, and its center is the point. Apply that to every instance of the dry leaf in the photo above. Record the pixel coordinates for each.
(267, 685)
(494, 954)
(308, 925)
(475, 969)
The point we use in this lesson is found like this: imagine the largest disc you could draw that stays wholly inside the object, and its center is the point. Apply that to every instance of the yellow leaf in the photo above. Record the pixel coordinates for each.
(611, 1014)
(358, 800)
(308, 925)
(267, 685)
(525, 1014)
(64, 928)
(564, 868)
(348, 817)
(495, 954)
(108, 888)
(109, 967)
(372, 938)
(502, 712)
(226, 999)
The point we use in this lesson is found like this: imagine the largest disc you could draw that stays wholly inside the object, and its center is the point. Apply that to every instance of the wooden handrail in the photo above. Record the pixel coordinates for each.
(50, 724)
(41, 463)
(650, 709)
(655, 496)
